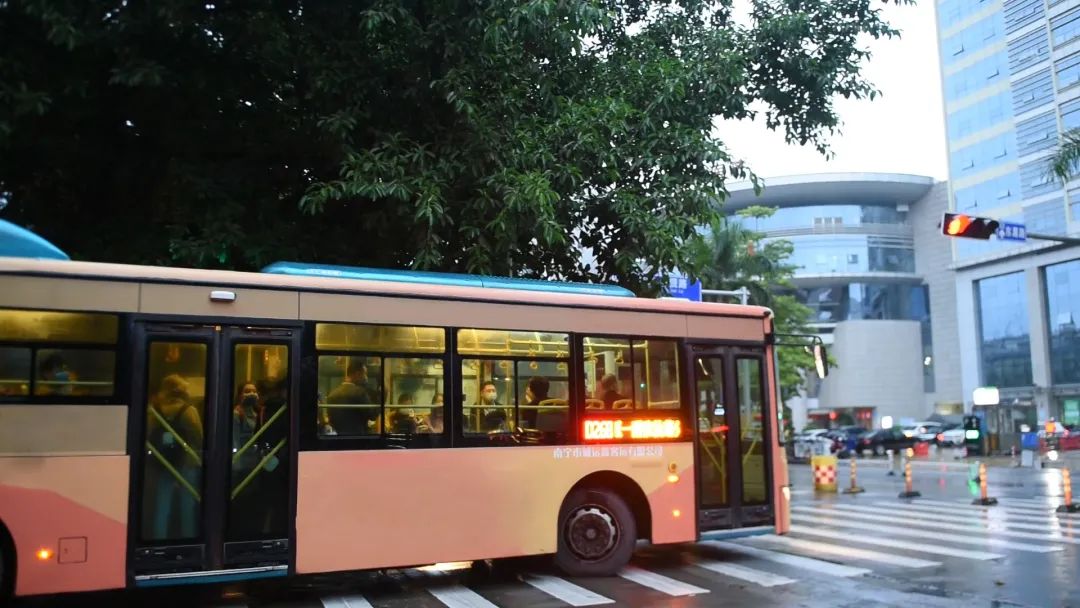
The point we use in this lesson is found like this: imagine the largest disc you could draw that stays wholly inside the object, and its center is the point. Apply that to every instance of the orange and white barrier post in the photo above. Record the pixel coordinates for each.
(984, 499)
(1068, 506)
(909, 490)
(854, 488)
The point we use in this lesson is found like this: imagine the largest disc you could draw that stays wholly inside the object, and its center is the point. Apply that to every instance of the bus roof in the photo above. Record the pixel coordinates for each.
(498, 291)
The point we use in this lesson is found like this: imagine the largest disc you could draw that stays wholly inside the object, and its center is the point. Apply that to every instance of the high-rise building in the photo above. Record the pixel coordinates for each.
(873, 269)
(1011, 86)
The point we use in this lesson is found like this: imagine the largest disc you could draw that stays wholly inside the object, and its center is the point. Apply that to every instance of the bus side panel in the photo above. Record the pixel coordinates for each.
(390, 508)
(781, 491)
(76, 508)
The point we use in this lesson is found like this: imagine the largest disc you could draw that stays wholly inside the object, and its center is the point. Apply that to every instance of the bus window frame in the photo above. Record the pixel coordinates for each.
(308, 407)
(686, 410)
(121, 363)
(458, 436)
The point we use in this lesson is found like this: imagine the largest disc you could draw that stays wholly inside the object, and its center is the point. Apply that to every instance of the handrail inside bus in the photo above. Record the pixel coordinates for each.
(442, 278)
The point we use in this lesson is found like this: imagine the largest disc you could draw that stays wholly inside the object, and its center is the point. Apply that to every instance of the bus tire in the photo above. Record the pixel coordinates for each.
(597, 533)
(7, 567)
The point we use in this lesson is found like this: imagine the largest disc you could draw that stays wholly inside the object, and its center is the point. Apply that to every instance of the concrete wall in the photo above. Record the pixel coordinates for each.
(933, 256)
(878, 364)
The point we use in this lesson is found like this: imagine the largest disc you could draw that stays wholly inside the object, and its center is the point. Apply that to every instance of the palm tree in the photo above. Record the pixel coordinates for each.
(1063, 163)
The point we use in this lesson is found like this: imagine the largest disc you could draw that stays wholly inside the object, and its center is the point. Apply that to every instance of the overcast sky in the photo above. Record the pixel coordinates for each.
(902, 131)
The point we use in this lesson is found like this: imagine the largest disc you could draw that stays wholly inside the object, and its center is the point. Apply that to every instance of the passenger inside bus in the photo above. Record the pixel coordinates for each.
(174, 431)
(353, 391)
(609, 390)
(494, 419)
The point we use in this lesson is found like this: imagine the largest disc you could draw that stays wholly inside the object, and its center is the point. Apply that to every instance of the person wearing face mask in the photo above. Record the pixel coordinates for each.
(246, 420)
(494, 419)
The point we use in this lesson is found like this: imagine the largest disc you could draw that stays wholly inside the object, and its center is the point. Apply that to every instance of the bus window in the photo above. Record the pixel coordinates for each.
(351, 403)
(489, 396)
(59, 354)
(73, 372)
(379, 338)
(173, 471)
(623, 376)
(513, 344)
(752, 434)
(413, 389)
(259, 482)
(543, 389)
(14, 371)
(61, 327)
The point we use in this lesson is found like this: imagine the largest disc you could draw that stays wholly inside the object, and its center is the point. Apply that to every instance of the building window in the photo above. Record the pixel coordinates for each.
(1063, 319)
(1004, 337)
(1066, 28)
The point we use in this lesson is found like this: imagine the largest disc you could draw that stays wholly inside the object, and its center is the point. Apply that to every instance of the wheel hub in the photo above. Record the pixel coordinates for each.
(592, 533)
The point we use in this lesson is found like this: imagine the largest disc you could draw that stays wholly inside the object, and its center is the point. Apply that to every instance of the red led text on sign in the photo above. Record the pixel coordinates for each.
(632, 429)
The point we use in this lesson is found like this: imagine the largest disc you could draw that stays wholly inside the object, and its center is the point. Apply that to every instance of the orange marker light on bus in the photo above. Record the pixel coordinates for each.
(676, 513)
(673, 478)
(44, 554)
(669, 428)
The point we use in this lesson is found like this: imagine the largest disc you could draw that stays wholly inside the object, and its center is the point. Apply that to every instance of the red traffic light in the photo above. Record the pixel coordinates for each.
(968, 226)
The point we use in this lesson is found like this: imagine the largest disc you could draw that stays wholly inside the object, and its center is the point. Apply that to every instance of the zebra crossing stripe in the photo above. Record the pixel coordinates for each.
(1007, 506)
(990, 519)
(459, 596)
(956, 527)
(898, 544)
(566, 591)
(842, 551)
(797, 561)
(997, 511)
(758, 577)
(660, 582)
(345, 601)
(912, 532)
(1048, 503)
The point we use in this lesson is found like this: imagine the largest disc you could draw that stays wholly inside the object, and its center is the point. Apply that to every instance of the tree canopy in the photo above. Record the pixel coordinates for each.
(733, 255)
(494, 136)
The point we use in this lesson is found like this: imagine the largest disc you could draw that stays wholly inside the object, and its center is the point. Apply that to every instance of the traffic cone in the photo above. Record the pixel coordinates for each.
(854, 489)
(908, 492)
(983, 499)
(1066, 483)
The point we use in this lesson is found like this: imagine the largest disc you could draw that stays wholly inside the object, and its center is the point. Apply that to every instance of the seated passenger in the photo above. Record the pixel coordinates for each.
(609, 390)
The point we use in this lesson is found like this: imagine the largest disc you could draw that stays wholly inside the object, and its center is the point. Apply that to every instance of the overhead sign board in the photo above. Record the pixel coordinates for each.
(681, 287)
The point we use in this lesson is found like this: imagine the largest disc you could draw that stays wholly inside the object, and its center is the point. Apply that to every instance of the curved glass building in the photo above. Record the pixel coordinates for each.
(871, 273)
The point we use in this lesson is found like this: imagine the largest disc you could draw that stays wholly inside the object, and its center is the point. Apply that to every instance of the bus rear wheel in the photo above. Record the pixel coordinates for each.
(597, 533)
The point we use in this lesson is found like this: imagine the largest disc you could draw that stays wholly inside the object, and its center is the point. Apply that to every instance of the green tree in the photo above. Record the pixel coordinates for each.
(733, 255)
(1063, 162)
(498, 136)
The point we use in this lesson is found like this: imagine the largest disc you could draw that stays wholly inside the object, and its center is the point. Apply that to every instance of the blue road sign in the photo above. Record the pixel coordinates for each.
(681, 287)
(1012, 232)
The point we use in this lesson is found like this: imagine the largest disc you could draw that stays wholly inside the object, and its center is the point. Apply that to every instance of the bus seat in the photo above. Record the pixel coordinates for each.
(623, 404)
(594, 404)
(554, 402)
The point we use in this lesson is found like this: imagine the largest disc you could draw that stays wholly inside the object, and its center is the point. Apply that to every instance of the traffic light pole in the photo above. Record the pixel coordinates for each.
(1068, 240)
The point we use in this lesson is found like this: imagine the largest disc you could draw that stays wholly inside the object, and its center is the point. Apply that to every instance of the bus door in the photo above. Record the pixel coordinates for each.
(734, 475)
(212, 476)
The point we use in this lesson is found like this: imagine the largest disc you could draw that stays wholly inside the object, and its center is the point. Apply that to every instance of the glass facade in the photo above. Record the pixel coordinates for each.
(853, 239)
(1063, 315)
(827, 254)
(860, 301)
(1001, 128)
(1004, 337)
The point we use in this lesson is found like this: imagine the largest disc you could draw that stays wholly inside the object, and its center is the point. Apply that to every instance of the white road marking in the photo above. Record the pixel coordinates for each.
(1000, 511)
(566, 591)
(346, 601)
(911, 532)
(660, 582)
(973, 528)
(843, 551)
(899, 544)
(758, 577)
(806, 563)
(458, 596)
(988, 518)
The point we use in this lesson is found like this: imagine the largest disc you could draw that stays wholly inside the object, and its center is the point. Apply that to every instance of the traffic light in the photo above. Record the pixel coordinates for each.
(973, 438)
(968, 226)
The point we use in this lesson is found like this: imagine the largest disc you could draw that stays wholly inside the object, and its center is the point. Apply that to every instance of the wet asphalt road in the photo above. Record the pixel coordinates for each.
(865, 550)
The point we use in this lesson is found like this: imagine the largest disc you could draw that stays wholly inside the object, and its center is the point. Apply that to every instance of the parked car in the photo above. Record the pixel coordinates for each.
(952, 435)
(847, 439)
(883, 440)
(921, 428)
